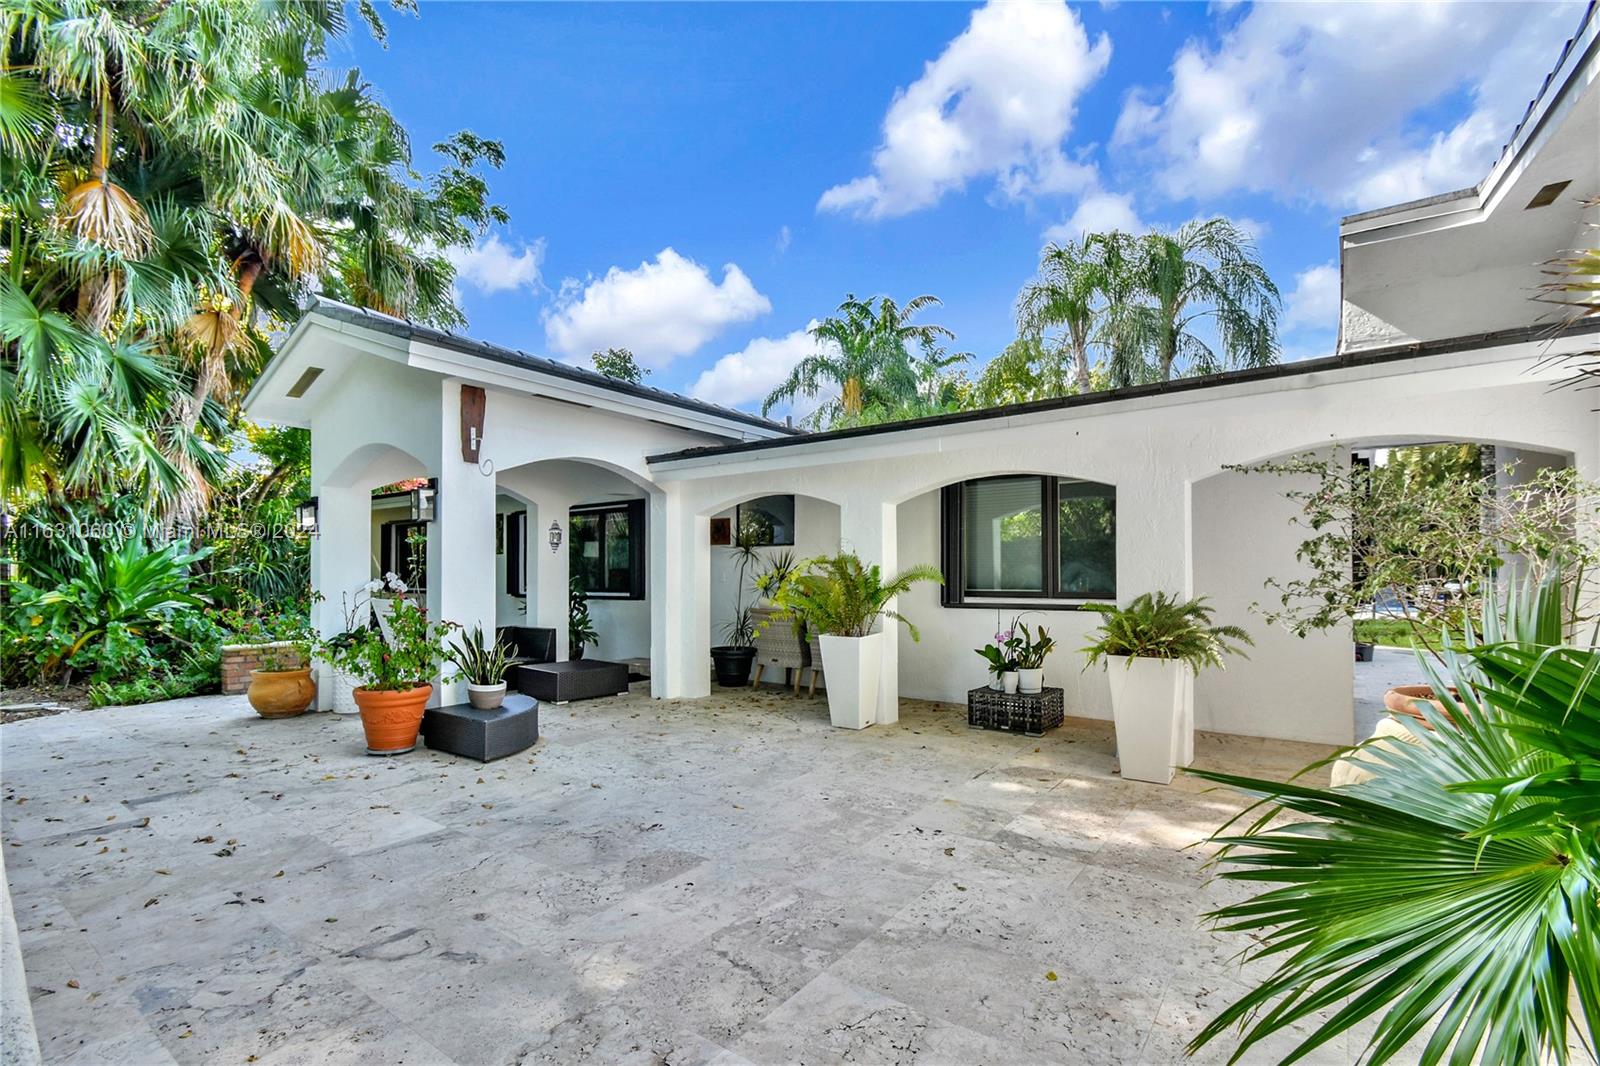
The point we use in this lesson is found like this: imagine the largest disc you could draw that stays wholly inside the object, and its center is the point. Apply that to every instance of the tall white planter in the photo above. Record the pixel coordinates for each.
(1155, 725)
(854, 666)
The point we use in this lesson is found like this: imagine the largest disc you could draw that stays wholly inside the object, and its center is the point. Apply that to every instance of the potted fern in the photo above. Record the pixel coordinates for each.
(483, 666)
(1153, 648)
(841, 599)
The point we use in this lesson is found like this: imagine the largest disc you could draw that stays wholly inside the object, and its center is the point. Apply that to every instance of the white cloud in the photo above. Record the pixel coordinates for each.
(998, 102)
(1098, 212)
(746, 377)
(784, 239)
(1326, 102)
(1314, 301)
(665, 308)
(493, 266)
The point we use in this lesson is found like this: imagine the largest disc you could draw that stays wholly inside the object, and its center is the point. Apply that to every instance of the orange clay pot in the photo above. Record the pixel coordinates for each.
(391, 718)
(281, 693)
(1402, 699)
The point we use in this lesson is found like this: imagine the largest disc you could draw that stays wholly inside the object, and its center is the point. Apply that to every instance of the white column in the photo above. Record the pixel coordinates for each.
(1155, 554)
(548, 607)
(461, 566)
(341, 555)
(870, 529)
(680, 591)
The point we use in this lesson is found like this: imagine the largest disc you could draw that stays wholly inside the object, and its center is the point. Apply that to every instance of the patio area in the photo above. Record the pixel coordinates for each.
(725, 880)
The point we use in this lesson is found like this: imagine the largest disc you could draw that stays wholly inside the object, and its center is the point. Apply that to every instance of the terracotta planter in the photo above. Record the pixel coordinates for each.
(1402, 699)
(281, 693)
(391, 719)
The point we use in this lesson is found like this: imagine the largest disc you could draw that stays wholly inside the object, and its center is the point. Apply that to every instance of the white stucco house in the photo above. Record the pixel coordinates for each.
(1439, 341)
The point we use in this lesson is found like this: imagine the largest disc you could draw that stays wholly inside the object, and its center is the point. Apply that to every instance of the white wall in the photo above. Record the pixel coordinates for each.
(1289, 686)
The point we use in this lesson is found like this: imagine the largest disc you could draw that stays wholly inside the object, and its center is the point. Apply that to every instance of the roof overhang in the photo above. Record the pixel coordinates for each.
(323, 345)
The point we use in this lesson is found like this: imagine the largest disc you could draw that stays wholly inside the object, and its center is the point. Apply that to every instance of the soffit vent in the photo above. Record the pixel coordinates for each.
(1547, 195)
(304, 382)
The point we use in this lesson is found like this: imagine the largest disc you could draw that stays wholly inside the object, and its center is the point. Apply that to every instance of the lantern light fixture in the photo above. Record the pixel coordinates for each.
(555, 536)
(305, 516)
(424, 501)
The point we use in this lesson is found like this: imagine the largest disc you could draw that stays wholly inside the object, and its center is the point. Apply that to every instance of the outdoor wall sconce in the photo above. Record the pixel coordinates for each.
(424, 501)
(305, 516)
(555, 536)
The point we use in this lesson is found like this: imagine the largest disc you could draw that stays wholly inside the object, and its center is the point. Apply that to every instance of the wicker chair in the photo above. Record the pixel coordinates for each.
(777, 645)
(814, 664)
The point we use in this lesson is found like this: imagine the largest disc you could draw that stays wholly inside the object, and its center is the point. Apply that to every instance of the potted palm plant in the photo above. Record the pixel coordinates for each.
(1152, 647)
(841, 599)
(394, 675)
(483, 665)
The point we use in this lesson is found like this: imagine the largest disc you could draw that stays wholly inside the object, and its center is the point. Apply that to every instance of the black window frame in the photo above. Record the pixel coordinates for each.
(953, 551)
(635, 512)
(738, 520)
(391, 540)
(516, 544)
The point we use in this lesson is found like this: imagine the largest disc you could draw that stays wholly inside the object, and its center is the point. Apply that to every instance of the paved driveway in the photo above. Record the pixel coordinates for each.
(723, 881)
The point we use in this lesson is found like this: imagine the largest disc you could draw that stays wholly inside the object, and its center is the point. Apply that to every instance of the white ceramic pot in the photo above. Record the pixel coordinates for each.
(995, 683)
(486, 697)
(381, 609)
(343, 689)
(1009, 681)
(854, 666)
(1031, 681)
(1155, 725)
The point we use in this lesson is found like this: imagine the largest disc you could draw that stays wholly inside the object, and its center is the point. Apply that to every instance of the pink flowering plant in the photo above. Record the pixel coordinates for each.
(1003, 654)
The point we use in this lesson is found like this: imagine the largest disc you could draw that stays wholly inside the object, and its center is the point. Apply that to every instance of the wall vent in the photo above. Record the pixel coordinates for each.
(1547, 195)
(304, 381)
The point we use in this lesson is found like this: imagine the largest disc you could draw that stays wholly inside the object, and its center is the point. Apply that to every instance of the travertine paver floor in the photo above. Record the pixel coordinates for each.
(730, 880)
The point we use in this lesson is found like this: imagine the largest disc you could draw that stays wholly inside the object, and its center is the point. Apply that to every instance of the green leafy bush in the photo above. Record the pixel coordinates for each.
(840, 596)
(1451, 896)
(1159, 626)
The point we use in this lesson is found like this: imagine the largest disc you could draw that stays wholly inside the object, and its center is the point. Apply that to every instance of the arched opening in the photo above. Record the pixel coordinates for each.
(1244, 534)
(749, 537)
(577, 532)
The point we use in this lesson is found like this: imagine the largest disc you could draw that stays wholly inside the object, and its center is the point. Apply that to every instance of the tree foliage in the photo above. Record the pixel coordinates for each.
(176, 178)
(619, 363)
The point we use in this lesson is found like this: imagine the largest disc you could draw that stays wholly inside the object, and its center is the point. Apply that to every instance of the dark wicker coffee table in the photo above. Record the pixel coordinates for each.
(582, 679)
(462, 729)
(1031, 713)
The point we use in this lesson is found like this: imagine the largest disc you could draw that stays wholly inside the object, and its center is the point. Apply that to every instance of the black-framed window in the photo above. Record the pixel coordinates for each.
(606, 548)
(769, 520)
(1028, 537)
(396, 555)
(516, 544)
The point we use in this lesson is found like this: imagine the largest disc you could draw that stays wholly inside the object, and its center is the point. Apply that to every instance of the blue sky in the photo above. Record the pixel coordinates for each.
(700, 182)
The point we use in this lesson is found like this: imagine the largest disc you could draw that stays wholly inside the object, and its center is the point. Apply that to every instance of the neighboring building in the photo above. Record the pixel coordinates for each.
(1037, 507)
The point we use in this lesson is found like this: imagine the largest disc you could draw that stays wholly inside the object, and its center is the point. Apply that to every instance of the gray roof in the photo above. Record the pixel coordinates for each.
(1346, 360)
(410, 330)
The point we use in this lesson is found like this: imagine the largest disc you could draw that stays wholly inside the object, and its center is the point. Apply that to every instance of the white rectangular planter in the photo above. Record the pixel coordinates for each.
(1155, 725)
(854, 666)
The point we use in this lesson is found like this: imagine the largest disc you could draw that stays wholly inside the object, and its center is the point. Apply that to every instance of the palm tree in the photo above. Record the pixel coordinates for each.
(1066, 294)
(866, 350)
(213, 176)
(1160, 287)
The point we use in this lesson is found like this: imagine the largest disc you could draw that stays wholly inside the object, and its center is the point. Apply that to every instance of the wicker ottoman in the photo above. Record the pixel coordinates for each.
(581, 679)
(1016, 712)
(483, 735)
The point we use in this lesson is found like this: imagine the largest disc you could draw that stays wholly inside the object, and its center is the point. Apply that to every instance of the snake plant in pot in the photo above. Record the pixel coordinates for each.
(841, 598)
(1153, 648)
(483, 666)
